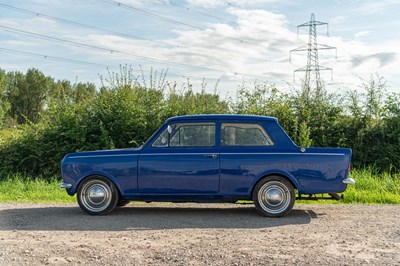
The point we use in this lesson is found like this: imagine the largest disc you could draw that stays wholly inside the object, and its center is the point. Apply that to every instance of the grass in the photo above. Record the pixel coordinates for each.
(373, 188)
(370, 188)
(17, 189)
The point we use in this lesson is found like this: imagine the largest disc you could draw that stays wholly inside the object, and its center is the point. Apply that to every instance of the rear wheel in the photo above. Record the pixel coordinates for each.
(97, 195)
(274, 196)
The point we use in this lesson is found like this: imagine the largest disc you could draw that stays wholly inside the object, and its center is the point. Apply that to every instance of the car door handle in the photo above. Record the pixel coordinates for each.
(212, 156)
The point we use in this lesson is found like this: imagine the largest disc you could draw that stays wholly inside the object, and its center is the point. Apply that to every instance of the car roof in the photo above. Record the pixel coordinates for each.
(224, 117)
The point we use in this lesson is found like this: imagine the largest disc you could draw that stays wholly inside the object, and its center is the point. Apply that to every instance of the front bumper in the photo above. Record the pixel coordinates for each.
(349, 181)
(65, 185)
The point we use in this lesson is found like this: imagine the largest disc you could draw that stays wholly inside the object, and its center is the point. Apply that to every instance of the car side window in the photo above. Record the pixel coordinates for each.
(162, 140)
(187, 135)
(243, 134)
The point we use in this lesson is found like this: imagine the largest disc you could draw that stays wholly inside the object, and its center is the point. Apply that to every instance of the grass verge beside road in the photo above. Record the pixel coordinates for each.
(373, 188)
(17, 189)
(370, 188)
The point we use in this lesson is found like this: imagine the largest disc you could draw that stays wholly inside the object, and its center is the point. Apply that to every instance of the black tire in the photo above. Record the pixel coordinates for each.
(97, 195)
(274, 196)
(123, 203)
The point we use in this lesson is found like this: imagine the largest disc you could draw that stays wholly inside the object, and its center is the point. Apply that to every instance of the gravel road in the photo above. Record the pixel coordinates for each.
(199, 234)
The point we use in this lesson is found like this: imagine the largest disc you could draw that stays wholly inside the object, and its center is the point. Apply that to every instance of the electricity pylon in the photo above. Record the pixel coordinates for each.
(312, 76)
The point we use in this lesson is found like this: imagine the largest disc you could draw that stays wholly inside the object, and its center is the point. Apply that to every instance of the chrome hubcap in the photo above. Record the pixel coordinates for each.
(274, 197)
(96, 195)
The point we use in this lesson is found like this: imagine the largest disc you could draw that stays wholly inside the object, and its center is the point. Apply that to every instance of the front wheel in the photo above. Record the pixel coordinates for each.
(97, 195)
(274, 196)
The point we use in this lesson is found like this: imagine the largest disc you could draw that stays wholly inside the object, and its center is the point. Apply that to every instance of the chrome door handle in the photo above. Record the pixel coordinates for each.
(212, 156)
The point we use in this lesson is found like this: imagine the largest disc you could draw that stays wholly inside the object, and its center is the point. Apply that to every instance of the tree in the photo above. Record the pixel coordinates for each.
(187, 102)
(27, 94)
(129, 111)
(83, 92)
(4, 105)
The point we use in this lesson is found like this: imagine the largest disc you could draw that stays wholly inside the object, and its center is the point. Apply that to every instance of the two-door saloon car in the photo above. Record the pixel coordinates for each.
(208, 158)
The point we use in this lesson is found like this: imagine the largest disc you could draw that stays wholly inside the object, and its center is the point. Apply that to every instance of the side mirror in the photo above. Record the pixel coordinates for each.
(169, 129)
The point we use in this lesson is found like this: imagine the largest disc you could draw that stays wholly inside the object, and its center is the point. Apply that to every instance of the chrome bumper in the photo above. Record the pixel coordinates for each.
(349, 181)
(65, 185)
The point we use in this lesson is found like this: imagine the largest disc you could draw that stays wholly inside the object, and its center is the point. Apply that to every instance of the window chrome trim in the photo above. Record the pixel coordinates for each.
(95, 156)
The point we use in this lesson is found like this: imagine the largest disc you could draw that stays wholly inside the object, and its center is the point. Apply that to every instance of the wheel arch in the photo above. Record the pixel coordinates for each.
(286, 176)
(103, 174)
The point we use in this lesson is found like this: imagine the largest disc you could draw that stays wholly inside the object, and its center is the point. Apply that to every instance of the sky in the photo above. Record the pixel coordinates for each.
(214, 42)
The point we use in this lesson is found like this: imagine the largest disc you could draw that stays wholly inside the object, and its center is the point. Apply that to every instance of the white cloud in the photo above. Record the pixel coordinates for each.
(372, 6)
(257, 44)
(362, 33)
(226, 3)
(262, 55)
(141, 3)
(338, 20)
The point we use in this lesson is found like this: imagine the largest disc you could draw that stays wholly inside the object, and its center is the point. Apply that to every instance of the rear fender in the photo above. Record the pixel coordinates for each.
(277, 172)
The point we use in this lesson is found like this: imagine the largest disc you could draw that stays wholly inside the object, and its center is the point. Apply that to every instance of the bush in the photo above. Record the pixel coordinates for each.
(116, 117)
(125, 112)
(40, 147)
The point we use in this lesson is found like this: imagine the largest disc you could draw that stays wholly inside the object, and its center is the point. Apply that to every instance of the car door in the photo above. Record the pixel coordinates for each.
(246, 150)
(184, 158)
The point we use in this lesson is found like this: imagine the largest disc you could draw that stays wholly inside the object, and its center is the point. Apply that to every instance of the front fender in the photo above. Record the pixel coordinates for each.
(75, 186)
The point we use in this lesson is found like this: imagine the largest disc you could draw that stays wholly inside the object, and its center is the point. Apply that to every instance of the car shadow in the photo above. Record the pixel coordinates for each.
(145, 218)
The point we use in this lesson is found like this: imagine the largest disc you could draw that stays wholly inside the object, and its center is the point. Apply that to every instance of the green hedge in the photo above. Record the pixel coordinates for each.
(124, 113)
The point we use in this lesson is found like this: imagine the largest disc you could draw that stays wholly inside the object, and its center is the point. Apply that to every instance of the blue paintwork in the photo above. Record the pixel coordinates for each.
(208, 174)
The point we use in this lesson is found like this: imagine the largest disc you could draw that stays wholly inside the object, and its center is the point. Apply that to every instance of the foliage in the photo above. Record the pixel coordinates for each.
(370, 127)
(40, 147)
(372, 186)
(17, 188)
(187, 102)
(4, 104)
(26, 94)
(122, 114)
(129, 111)
(266, 99)
(42, 119)
(8, 134)
(304, 135)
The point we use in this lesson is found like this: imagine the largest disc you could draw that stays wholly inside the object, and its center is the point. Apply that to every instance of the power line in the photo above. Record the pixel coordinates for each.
(202, 13)
(173, 21)
(55, 58)
(80, 62)
(78, 24)
(70, 22)
(112, 51)
(218, 17)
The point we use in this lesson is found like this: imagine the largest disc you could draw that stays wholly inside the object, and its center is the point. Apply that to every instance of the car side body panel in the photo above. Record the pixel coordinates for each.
(120, 166)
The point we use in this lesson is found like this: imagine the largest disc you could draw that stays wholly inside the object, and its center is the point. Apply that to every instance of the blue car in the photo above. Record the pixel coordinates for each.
(209, 158)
